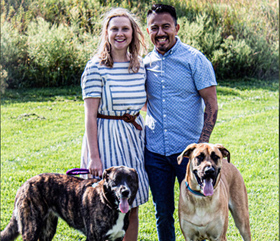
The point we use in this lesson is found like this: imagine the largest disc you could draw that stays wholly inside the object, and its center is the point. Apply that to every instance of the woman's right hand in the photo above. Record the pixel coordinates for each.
(95, 167)
(95, 164)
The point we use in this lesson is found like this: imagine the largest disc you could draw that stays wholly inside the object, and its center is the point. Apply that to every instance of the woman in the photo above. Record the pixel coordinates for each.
(113, 86)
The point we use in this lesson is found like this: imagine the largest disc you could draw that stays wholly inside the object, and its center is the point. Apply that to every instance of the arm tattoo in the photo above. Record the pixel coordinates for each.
(210, 117)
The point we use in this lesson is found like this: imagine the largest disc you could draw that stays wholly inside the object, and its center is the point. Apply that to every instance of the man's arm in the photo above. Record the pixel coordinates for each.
(209, 96)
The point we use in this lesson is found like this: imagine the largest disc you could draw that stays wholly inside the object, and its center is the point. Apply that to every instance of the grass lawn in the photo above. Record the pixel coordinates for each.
(42, 130)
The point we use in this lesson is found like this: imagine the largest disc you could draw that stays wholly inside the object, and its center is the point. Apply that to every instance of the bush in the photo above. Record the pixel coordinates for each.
(48, 42)
(54, 59)
(13, 54)
(3, 79)
(235, 50)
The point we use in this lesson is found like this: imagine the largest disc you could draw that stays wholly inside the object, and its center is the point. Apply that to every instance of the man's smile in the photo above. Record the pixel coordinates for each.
(161, 39)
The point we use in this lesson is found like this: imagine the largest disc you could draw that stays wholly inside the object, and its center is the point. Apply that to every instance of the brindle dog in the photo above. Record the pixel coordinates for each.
(99, 210)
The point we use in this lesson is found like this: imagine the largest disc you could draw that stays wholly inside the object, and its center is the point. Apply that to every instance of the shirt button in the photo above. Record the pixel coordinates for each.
(165, 130)
(164, 115)
(163, 58)
(163, 87)
(163, 100)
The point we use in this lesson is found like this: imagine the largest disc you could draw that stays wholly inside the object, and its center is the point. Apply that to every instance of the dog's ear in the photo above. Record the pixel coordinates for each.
(224, 151)
(186, 153)
(135, 186)
(106, 173)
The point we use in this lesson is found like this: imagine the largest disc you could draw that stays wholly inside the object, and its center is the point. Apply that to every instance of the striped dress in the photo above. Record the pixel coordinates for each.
(119, 142)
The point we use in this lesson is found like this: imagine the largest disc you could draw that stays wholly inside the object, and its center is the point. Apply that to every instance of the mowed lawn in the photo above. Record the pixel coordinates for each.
(42, 131)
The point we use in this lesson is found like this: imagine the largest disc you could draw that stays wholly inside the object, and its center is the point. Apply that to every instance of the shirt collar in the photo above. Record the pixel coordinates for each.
(172, 50)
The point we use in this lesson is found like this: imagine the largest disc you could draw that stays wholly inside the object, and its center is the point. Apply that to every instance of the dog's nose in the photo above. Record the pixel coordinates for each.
(209, 170)
(125, 192)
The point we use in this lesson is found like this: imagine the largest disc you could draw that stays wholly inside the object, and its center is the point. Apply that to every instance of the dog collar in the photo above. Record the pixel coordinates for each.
(193, 191)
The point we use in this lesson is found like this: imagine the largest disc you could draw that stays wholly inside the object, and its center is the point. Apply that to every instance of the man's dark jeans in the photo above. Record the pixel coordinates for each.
(162, 171)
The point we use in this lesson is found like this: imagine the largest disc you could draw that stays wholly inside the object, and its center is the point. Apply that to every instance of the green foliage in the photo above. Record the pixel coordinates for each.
(235, 50)
(233, 55)
(48, 42)
(55, 57)
(3, 77)
(13, 54)
(42, 131)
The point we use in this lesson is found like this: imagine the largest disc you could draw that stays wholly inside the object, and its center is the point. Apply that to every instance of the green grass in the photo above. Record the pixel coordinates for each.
(42, 130)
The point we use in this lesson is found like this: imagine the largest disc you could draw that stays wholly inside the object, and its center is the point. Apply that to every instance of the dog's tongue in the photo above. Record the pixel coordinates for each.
(208, 188)
(124, 206)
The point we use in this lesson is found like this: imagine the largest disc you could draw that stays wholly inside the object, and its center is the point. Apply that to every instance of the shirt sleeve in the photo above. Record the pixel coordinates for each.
(91, 80)
(204, 75)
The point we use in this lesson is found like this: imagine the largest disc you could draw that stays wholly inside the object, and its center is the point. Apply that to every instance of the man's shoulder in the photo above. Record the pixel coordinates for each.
(188, 49)
(192, 54)
(150, 57)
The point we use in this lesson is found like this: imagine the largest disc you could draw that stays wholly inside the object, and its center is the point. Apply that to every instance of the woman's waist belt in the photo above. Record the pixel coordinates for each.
(126, 117)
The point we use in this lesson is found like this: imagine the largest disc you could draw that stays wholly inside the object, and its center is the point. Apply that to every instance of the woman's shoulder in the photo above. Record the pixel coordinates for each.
(93, 62)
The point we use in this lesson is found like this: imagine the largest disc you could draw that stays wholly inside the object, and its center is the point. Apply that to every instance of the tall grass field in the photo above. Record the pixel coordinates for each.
(42, 131)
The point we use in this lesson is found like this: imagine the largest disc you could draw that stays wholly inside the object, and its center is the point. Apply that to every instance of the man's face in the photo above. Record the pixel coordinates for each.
(162, 31)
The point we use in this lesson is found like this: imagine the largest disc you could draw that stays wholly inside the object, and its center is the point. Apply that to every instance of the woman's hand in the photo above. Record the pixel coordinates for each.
(95, 167)
(95, 164)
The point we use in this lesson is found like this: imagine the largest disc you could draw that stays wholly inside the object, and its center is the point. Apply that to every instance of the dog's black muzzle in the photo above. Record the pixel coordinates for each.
(209, 172)
(124, 192)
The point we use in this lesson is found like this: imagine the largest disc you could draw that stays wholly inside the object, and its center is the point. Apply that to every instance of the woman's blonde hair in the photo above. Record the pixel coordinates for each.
(134, 48)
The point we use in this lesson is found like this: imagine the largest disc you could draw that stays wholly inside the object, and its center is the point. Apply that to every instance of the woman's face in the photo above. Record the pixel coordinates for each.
(119, 33)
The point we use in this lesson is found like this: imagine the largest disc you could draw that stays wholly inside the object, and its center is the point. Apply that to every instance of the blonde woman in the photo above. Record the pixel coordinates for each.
(113, 87)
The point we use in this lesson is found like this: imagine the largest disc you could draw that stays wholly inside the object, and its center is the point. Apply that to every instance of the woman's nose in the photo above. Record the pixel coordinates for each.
(119, 32)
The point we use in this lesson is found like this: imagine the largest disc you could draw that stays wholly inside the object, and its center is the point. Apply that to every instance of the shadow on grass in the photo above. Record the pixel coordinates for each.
(74, 93)
(252, 84)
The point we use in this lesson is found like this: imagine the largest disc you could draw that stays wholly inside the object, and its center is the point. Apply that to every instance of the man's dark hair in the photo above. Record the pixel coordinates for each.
(162, 8)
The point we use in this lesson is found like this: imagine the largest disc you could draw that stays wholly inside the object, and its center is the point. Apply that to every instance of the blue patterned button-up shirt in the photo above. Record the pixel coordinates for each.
(175, 110)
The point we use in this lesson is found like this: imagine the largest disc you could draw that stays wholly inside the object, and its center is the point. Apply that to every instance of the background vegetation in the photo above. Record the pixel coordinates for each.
(42, 131)
(47, 43)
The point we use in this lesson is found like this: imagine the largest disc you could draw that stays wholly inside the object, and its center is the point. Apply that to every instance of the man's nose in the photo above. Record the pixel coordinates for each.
(160, 31)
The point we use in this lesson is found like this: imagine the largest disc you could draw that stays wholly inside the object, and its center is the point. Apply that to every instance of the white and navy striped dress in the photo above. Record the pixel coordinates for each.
(119, 142)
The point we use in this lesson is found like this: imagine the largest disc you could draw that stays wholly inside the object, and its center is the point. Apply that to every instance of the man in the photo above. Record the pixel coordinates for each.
(181, 109)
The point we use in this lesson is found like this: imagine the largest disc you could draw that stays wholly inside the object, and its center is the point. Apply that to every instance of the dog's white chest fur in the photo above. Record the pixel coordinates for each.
(117, 230)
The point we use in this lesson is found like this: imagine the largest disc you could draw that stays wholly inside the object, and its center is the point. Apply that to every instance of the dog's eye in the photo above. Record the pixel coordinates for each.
(118, 179)
(200, 158)
(214, 157)
(128, 179)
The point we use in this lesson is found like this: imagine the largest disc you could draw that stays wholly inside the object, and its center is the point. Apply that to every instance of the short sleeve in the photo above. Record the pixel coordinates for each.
(91, 80)
(204, 75)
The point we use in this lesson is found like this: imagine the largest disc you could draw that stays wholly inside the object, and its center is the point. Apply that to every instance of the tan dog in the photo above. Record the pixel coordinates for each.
(212, 187)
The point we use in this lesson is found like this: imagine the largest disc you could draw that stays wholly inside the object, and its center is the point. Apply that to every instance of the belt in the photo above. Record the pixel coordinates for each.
(126, 117)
